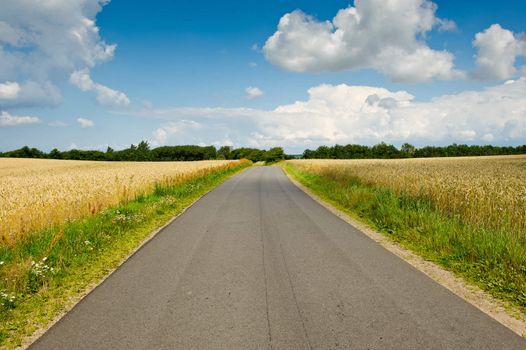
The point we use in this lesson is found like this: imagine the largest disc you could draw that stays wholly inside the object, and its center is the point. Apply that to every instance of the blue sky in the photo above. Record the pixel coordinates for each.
(89, 74)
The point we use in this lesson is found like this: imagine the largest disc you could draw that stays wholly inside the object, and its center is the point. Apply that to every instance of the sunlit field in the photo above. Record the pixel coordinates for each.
(37, 193)
(489, 191)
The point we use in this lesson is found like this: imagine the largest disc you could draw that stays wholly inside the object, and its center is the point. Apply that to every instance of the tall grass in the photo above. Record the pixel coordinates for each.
(467, 214)
(488, 191)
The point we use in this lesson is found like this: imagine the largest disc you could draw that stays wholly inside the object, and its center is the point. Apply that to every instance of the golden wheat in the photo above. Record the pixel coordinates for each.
(480, 190)
(37, 193)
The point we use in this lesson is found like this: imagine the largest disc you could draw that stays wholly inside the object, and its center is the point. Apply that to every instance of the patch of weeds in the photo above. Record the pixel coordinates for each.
(37, 275)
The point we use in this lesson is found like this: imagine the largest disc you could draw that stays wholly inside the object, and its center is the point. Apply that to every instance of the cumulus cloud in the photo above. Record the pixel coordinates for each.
(183, 127)
(497, 50)
(30, 94)
(9, 90)
(85, 123)
(253, 92)
(388, 36)
(357, 114)
(105, 96)
(43, 42)
(369, 115)
(7, 119)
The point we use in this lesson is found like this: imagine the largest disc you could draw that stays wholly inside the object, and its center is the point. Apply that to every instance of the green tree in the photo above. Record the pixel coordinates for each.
(55, 154)
(274, 154)
(408, 149)
(225, 152)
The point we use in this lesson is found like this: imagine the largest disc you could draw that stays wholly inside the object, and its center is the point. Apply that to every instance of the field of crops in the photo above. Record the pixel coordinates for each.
(489, 191)
(37, 193)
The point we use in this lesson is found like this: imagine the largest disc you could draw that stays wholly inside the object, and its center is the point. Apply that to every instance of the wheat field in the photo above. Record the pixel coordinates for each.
(38, 193)
(489, 191)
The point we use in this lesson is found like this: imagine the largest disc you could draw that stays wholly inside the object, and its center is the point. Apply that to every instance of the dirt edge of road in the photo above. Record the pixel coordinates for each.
(503, 313)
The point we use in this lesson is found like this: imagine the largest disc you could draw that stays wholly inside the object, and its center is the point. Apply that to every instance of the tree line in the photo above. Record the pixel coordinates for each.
(386, 151)
(143, 152)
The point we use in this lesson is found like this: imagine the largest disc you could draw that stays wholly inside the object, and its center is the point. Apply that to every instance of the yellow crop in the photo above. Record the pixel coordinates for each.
(37, 193)
(489, 191)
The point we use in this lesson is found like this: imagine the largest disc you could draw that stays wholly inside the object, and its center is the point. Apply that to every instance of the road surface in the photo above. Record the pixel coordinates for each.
(257, 264)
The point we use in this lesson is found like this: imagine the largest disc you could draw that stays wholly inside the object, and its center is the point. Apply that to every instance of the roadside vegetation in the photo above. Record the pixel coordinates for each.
(94, 216)
(466, 214)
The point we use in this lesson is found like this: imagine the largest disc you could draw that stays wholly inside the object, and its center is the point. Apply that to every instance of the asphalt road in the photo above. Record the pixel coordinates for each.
(257, 264)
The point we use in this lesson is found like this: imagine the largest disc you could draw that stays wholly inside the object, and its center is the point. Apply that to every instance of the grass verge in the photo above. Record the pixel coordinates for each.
(489, 258)
(44, 273)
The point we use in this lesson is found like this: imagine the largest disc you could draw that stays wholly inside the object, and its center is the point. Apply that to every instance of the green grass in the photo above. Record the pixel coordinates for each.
(492, 259)
(50, 268)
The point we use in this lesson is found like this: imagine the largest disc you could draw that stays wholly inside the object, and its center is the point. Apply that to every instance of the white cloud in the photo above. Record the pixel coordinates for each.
(9, 90)
(85, 123)
(357, 114)
(388, 36)
(31, 94)
(253, 92)
(368, 115)
(183, 127)
(252, 64)
(43, 42)
(497, 50)
(446, 25)
(160, 136)
(7, 119)
(105, 95)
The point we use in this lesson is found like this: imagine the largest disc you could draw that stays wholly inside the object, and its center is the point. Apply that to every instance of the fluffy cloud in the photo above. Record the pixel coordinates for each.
(497, 50)
(7, 119)
(43, 42)
(85, 123)
(30, 93)
(9, 90)
(105, 96)
(368, 115)
(184, 127)
(357, 114)
(388, 36)
(253, 92)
